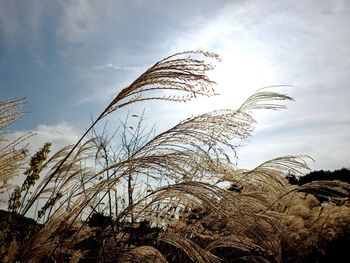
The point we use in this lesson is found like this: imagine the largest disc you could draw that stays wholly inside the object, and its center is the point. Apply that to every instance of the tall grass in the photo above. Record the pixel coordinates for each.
(12, 154)
(166, 196)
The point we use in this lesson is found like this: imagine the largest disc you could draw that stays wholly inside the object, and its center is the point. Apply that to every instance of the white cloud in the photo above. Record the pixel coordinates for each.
(60, 135)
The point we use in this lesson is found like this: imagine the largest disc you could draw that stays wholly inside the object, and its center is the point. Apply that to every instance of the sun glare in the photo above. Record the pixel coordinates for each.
(237, 76)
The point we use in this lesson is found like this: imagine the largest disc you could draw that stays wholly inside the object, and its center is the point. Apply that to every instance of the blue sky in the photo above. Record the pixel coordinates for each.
(69, 58)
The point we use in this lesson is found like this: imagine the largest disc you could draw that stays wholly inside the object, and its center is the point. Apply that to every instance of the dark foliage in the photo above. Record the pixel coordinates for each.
(99, 220)
(341, 174)
(323, 195)
(22, 227)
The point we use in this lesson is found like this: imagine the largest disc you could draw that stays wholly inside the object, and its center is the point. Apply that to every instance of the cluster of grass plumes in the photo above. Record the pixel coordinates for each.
(12, 154)
(183, 74)
(314, 225)
(10, 111)
(13, 158)
(176, 196)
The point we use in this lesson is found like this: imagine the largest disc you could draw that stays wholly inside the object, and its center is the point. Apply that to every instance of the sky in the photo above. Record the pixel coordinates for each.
(70, 58)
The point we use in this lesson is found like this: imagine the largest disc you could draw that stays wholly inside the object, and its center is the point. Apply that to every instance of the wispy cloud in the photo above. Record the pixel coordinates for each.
(328, 147)
(117, 67)
(20, 19)
(82, 19)
(77, 22)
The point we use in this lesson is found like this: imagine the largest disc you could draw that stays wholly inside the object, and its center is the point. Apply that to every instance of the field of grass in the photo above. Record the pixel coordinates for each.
(170, 197)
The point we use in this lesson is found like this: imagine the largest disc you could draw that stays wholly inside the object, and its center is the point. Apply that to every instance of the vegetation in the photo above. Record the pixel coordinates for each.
(173, 197)
(340, 174)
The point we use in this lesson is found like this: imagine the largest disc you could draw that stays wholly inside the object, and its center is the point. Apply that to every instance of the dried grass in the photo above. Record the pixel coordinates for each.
(12, 154)
(194, 252)
(176, 183)
(143, 254)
